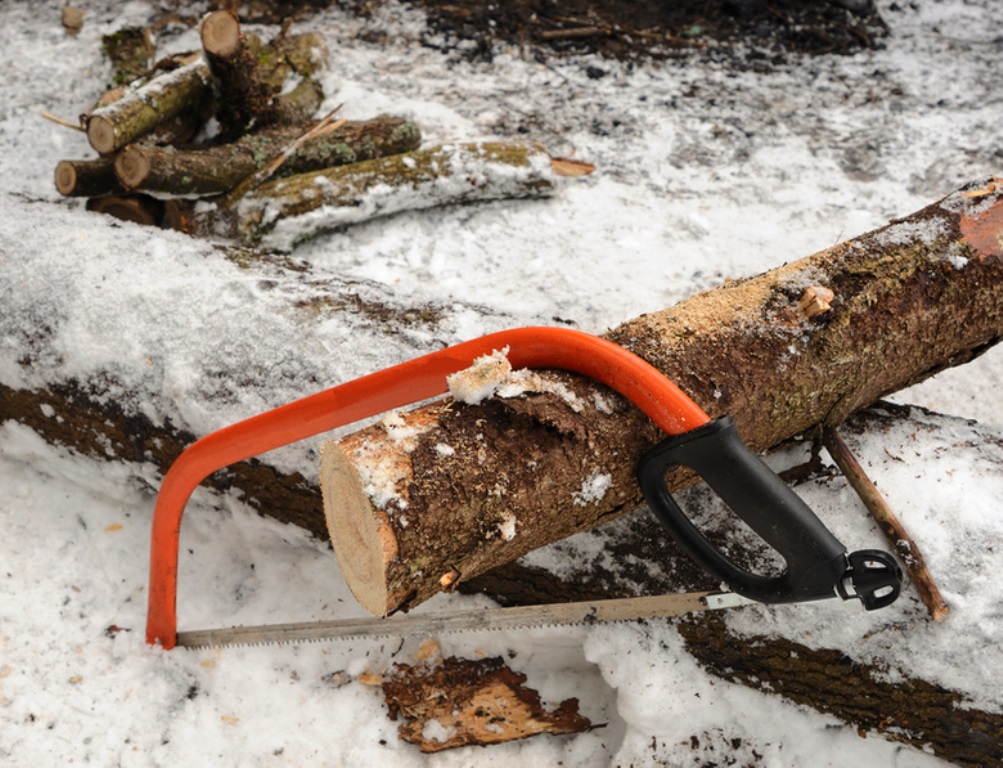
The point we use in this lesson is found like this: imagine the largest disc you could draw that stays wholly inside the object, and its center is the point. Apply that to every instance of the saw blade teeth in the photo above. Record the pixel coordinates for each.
(513, 618)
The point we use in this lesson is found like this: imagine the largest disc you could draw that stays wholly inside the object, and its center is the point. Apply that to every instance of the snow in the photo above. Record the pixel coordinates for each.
(703, 173)
(593, 488)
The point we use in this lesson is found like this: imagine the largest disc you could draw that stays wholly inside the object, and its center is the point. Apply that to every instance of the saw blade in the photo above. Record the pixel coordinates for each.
(517, 617)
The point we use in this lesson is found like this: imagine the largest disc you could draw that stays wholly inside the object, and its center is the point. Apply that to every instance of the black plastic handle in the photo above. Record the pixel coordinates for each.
(816, 560)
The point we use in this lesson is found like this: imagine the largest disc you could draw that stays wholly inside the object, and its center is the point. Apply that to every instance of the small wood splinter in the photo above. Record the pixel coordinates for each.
(815, 300)
(448, 580)
(893, 529)
(988, 189)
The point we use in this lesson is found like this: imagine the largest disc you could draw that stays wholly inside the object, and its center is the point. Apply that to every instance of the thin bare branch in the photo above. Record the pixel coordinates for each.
(904, 545)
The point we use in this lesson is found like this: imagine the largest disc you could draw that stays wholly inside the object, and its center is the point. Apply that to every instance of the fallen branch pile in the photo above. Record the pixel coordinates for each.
(233, 125)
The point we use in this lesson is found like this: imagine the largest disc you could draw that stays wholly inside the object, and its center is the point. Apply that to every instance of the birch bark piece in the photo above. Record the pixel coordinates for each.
(451, 492)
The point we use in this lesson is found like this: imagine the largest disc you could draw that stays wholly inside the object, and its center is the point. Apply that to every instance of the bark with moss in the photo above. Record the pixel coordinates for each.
(219, 168)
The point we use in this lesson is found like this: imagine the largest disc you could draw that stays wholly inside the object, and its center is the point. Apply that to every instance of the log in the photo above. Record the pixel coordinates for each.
(460, 702)
(282, 213)
(86, 178)
(218, 169)
(183, 127)
(139, 209)
(907, 710)
(433, 497)
(258, 83)
(138, 112)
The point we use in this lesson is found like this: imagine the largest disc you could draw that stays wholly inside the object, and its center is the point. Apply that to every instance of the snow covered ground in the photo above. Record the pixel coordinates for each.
(704, 173)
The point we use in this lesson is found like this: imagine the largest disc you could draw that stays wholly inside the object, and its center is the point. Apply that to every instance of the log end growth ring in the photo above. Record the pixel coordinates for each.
(361, 535)
(66, 178)
(220, 33)
(132, 167)
(101, 134)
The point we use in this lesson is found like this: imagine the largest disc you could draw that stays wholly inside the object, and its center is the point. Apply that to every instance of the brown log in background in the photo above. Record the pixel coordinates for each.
(474, 487)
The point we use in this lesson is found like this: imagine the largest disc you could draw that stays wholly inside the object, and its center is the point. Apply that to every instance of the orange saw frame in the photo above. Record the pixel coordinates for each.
(404, 384)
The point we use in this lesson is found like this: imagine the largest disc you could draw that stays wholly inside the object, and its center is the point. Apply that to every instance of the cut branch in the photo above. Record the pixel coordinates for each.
(258, 83)
(458, 702)
(86, 178)
(243, 99)
(219, 169)
(138, 112)
(473, 487)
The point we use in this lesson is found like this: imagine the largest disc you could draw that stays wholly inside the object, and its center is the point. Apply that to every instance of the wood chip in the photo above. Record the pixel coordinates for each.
(459, 702)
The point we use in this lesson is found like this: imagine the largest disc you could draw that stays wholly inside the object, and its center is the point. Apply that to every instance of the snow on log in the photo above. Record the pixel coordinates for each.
(281, 213)
(138, 112)
(427, 499)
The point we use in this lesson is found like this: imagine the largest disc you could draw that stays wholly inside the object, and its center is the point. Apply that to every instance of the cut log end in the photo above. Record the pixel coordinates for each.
(101, 134)
(66, 178)
(221, 33)
(132, 167)
(361, 535)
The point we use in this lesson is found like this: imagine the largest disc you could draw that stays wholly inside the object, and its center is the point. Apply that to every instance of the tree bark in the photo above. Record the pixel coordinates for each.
(910, 710)
(458, 702)
(218, 169)
(449, 491)
(281, 213)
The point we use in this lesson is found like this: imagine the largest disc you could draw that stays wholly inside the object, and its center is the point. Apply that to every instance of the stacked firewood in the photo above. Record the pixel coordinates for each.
(233, 125)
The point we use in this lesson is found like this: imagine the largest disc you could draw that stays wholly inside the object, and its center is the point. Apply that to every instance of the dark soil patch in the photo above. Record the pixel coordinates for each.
(623, 29)
(656, 28)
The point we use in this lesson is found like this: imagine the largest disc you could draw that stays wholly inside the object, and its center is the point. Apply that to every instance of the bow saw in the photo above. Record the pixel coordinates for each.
(817, 564)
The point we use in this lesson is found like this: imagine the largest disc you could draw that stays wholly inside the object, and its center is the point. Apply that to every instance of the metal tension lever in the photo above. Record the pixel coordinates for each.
(817, 564)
